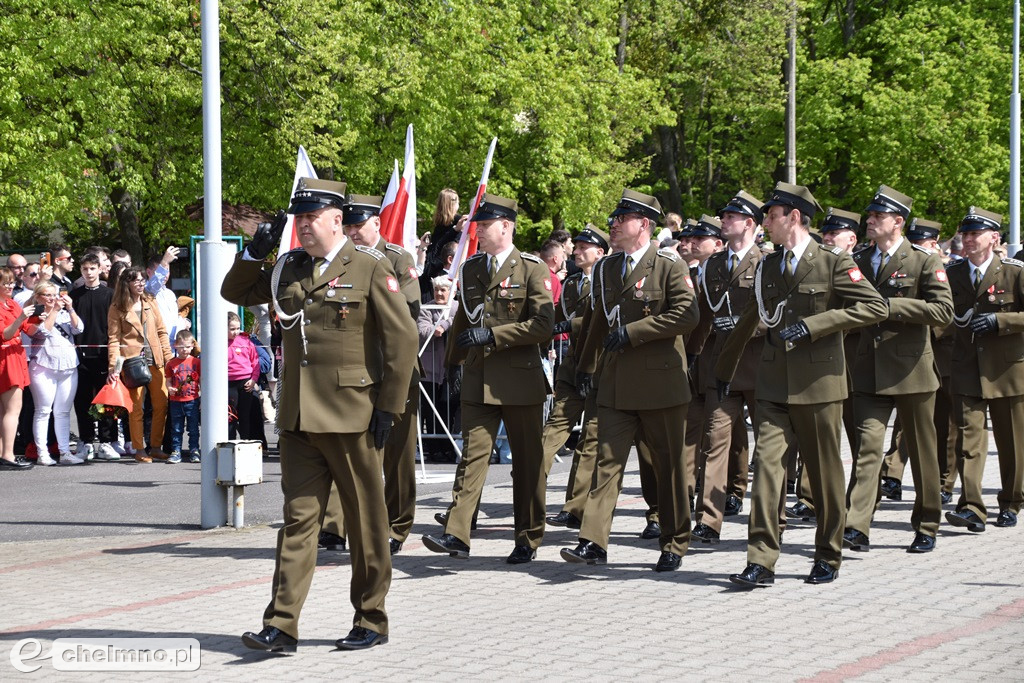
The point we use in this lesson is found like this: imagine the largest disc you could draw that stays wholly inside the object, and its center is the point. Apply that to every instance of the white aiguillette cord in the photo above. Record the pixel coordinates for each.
(287, 320)
(707, 295)
(475, 316)
(773, 320)
(611, 316)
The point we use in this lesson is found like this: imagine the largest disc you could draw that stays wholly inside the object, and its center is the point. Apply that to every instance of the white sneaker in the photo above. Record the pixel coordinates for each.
(46, 460)
(69, 459)
(118, 448)
(84, 450)
(106, 452)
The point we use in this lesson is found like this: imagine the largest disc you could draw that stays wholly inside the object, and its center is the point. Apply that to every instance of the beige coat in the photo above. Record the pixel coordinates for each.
(124, 334)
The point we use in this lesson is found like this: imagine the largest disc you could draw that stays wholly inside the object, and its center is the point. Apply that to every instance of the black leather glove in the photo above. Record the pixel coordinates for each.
(984, 324)
(726, 323)
(616, 339)
(563, 327)
(267, 237)
(454, 380)
(723, 389)
(584, 383)
(380, 427)
(475, 336)
(795, 333)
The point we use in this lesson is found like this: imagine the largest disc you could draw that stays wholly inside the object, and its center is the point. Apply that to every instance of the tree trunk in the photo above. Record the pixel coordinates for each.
(620, 55)
(126, 211)
(667, 139)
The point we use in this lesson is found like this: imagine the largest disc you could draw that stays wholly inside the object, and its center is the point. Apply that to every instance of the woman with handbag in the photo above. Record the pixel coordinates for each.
(136, 333)
(53, 372)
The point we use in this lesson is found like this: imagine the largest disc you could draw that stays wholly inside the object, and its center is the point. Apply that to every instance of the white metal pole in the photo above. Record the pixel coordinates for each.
(214, 260)
(1014, 245)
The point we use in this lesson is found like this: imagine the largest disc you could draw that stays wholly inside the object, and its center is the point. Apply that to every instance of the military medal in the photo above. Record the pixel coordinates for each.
(647, 306)
(892, 282)
(331, 285)
(343, 311)
(991, 298)
(504, 292)
(330, 292)
(639, 294)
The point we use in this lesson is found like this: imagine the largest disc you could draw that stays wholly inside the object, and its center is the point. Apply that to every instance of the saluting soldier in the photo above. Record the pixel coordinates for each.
(505, 313)
(988, 302)
(895, 369)
(349, 348)
(643, 303)
(362, 225)
(589, 247)
(726, 283)
(806, 295)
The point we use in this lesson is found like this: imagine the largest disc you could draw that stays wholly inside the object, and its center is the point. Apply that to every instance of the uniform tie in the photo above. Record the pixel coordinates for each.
(883, 259)
(733, 262)
(629, 268)
(492, 266)
(977, 278)
(318, 265)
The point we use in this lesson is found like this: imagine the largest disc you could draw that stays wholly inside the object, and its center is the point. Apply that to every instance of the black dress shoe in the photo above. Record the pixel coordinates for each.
(753, 576)
(801, 511)
(446, 543)
(733, 505)
(706, 534)
(1006, 518)
(855, 540)
(586, 552)
(892, 488)
(442, 519)
(270, 639)
(966, 518)
(946, 496)
(652, 530)
(16, 464)
(521, 554)
(822, 572)
(395, 545)
(668, 562)
(360, 638)
(329, 541)
(922, 543)
(566, 519)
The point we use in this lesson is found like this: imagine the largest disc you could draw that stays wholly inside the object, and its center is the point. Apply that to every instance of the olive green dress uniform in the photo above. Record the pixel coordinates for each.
(503, 381)
(400, 449)
(726, 293)
(895, 368)
(642, 389)
(352, 351)
(989, 374)
(800, 389)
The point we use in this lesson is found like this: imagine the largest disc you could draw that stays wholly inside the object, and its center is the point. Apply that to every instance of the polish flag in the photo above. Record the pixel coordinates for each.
(398, 210)
(468, 241)
(303, 169)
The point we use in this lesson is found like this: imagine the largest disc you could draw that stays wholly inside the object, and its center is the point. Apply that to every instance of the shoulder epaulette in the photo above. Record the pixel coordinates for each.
(371, 251)
(1014, 262)
(670, 254)
(477, 255)
(955, 260)
(530, 257)
(394, 247)
(294, 253)
(862, 249)
(835, 250)
(920, 248)
(578, 275)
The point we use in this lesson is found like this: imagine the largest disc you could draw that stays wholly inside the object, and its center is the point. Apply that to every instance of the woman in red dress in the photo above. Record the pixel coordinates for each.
(13, 371)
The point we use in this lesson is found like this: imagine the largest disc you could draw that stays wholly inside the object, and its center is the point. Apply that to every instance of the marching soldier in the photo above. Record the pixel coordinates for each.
(590, 246)
(726, 283)
(806, 295)
(362, 225)
(643, 302)
(894, 368)
(988, 302)
(349, 348)
(505, 313)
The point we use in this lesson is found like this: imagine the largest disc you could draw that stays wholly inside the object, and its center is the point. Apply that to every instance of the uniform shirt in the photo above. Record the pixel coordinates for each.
(983, 268)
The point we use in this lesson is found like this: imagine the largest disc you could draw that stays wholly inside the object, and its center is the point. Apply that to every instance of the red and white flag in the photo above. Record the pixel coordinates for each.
(303, 169)
(398, 210)
(468, 241)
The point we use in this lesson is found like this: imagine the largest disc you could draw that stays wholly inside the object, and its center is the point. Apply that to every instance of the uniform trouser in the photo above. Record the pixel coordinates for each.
(916, 413)
(662, 431)
(583, 473)
(814, 428)
(725, 453)
(1007, 417)
(695, 441)
(564, 415)
(309, 463)
(399, 477)
(524, 425)
(739, 450)
(649, 477)
(945, 443)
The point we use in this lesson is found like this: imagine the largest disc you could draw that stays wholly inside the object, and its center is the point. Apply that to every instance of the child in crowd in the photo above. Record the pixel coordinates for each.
(243, 373)
(183, 372)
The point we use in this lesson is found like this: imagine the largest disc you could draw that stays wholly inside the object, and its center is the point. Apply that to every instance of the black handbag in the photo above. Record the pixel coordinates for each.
(135, 372)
